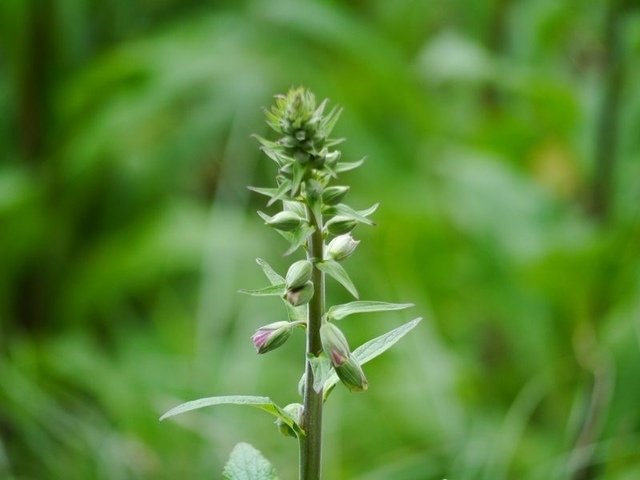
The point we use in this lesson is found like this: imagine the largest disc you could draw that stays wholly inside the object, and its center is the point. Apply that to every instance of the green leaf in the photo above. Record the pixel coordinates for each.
(267, 192)
(271, 274)
(322, 369)
(360, 216)
(247, 463)
(263, 403)
(281, 193)
(297, 238)
(335, 270)
(374, 348)
(338, 312)
(272, 290)
(346, 166)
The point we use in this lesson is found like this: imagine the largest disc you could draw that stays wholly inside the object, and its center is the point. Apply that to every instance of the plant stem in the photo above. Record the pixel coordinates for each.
(311, 443)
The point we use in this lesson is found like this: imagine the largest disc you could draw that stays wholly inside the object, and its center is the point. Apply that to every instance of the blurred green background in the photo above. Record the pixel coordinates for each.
(502, 142)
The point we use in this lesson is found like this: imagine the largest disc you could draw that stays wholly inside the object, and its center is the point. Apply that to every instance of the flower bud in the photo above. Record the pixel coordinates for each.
(340, 225)
(351, 375)
(334, 195)
(301, 295)
(299, 273)
(295, 411)
(271, 336)
(341, 247)
(285, 221)
(334, 344)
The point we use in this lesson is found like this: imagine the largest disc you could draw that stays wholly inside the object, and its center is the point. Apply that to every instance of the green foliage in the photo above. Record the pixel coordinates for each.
(247, 463)
(126, 231)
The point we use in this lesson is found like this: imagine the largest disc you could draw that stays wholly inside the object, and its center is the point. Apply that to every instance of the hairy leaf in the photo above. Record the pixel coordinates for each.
(247, 463)
(271, 274)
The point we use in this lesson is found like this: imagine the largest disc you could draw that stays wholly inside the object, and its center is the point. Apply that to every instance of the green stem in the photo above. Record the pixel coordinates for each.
(311, 443)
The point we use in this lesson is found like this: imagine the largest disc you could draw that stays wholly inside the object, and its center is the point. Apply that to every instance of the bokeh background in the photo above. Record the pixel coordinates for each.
(502, 142)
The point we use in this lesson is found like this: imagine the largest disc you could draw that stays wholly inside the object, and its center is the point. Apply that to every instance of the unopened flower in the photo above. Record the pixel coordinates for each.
(286, 221)
(294, 410)
(298, 274)
(271, 336)
(301, 295)
(351, 375)
(334, 195)
(334, 344)
(341, 247)
(340, 224)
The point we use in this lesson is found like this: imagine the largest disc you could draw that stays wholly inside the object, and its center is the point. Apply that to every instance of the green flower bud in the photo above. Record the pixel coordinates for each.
(298, 274)
(271, 336)
(301, 295)
(341, 247)
(285, 221)
(341, 224)
(351, 375)
(295, 411)
(334, 195)
(334, 344)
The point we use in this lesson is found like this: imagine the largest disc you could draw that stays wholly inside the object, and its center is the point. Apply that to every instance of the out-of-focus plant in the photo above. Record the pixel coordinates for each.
(312, 213)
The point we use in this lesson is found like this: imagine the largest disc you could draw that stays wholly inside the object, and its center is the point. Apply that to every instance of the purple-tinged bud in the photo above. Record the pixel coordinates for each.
(334, 344)
(301, 295)
(295, 411)
(270, 337)
(341, 247)
(351, 375)
(334, 195)
(285, 221)
(298, 274)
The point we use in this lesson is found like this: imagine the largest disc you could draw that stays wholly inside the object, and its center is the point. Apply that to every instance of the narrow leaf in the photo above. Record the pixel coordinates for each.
(263, 403)
(298, 238)
(271, 274)
(360, 216)
(267, 192)
(374, 348)
(271, 290)
(335, 270)
(338, 312)
(247, 463)
(346, 166)
(321, 367)
(280, 194)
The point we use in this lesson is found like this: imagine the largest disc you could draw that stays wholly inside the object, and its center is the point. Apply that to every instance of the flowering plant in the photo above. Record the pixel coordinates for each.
(312, 213)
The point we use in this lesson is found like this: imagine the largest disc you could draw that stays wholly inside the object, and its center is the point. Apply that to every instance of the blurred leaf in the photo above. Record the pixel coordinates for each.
(247, 463)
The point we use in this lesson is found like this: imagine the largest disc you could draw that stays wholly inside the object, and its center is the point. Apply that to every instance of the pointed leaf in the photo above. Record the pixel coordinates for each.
(360, 216)
(374, 348)
(247, 463)
(267, 192)
(338, 312)
(346, 166)
(271, 290)
(280, 194)
(322, 369)
(271, 274)
(335, 270)
(297, 238)
(263, 403)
